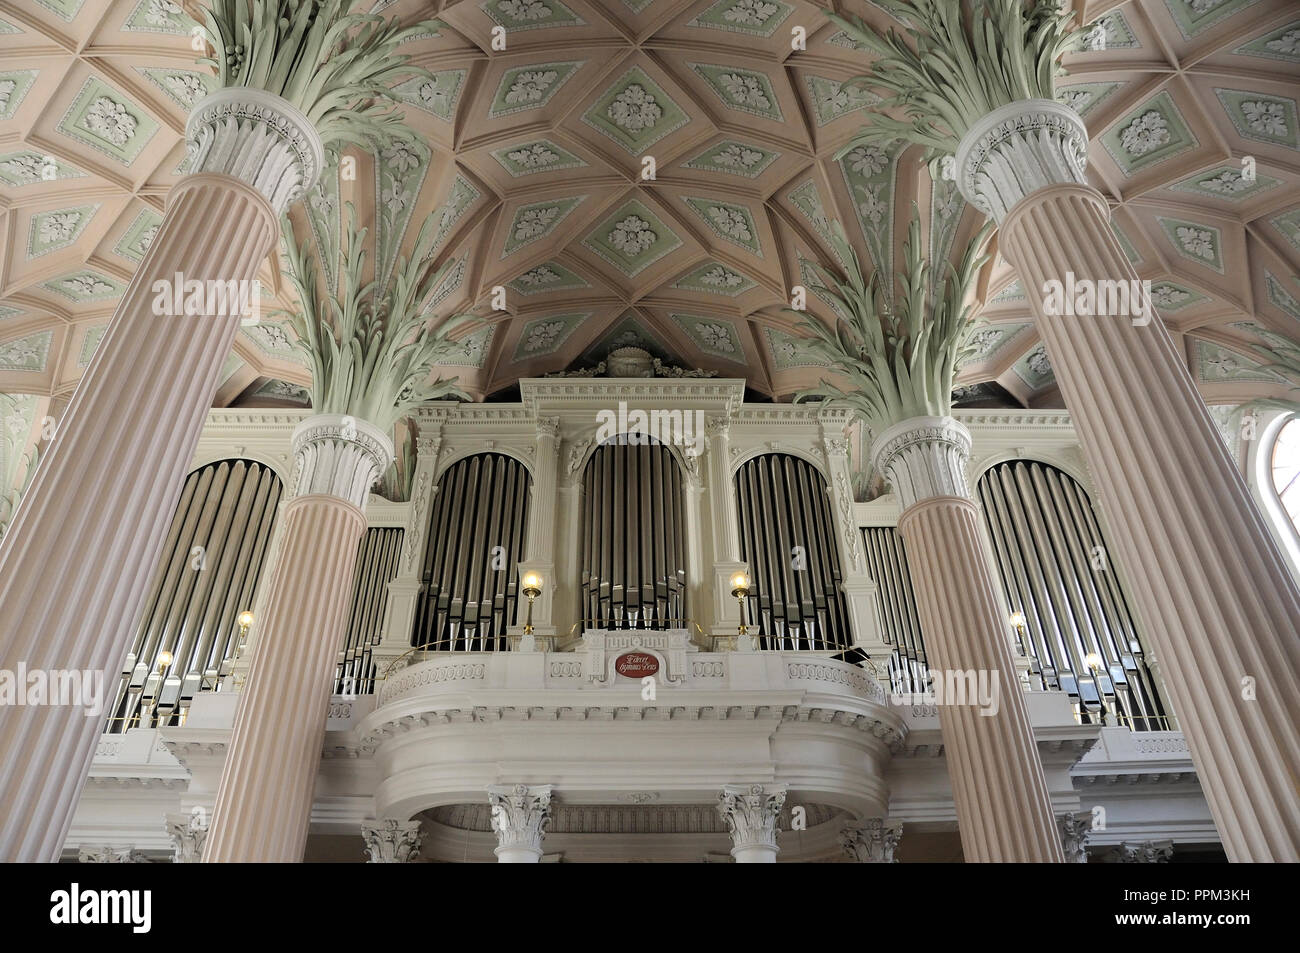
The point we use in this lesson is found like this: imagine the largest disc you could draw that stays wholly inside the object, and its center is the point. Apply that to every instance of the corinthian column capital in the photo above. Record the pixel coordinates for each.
(873, 841)
(256, 137)
(520, 814)
(1075, 828)
(924, 457)
(751, 812)
(1018, 149)
(340, 456)
(187, 833)
(391, 841)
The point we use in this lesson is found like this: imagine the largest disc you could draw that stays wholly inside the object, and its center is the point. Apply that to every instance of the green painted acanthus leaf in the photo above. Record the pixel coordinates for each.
(959, 65)
(337, 68)
(372, 350)
(898, 352)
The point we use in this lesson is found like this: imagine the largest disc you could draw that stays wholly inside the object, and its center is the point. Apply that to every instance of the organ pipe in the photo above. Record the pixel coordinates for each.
(477, 534)
(633, 561)
(1055, 569)
(377, 557)
(787, 538)
(899, 625)
(208, 573)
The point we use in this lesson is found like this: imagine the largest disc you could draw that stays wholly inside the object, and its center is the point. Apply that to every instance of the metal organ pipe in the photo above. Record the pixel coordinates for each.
(1055, 569)
(477, 535)
(795, 598)
(633, 560)
(377, 557)
(899, 625)
(211, 563)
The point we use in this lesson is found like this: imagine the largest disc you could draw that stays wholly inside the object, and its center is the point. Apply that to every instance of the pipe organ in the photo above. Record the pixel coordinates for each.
(899, 625)
(1055, 569)
(209, 571)
(377, 558)
(787, 537)
(476, 532)
(633, 537)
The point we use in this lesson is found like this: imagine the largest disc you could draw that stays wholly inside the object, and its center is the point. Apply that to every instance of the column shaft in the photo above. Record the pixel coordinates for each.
(75, 563)
(264, 801)
(1215, 597)
(998, 786)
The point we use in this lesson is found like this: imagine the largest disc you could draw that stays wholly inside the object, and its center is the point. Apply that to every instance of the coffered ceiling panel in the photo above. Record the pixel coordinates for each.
(656, 173)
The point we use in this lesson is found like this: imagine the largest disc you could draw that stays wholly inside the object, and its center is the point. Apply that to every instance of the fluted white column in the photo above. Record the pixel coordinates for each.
(264, 801)
(751, 813)
(391, 841)
(520, 814)
(725, 530)
(873, 841)
(1211, 587)
(541, 522)
(999, 790)
(76, 560)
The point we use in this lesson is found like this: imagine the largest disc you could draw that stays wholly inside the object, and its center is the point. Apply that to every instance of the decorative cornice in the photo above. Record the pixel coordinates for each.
(1018, 149)
(751, 812)
(551, 393)
(884, 727)
(258, 138)
(341, 456)
(924, 457)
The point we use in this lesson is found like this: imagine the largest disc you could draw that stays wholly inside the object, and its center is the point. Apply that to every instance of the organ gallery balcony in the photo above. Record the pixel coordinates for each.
(673, 730)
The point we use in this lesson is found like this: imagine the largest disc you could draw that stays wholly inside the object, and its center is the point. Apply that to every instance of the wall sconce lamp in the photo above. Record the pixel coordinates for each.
(1018, 622)
(1094, 662)
(245, 619)
(532, 585)
(740, 589)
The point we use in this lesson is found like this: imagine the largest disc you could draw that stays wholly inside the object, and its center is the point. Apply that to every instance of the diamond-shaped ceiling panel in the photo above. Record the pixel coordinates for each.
(534, 168)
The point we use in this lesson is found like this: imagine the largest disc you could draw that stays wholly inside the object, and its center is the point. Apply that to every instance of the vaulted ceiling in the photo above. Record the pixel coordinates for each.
(534, 161)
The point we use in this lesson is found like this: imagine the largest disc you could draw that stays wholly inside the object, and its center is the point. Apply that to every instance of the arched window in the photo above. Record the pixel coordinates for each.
(209, 571)
(1067, 605)
(1284, 469)
(633, 535)
(476, 536)
(787, 538)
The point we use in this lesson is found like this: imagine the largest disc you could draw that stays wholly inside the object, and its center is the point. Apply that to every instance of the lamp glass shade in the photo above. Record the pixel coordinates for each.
(1018, 619)
(532, 580)
(1092, 660)
(245, 618)
(164, 658)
